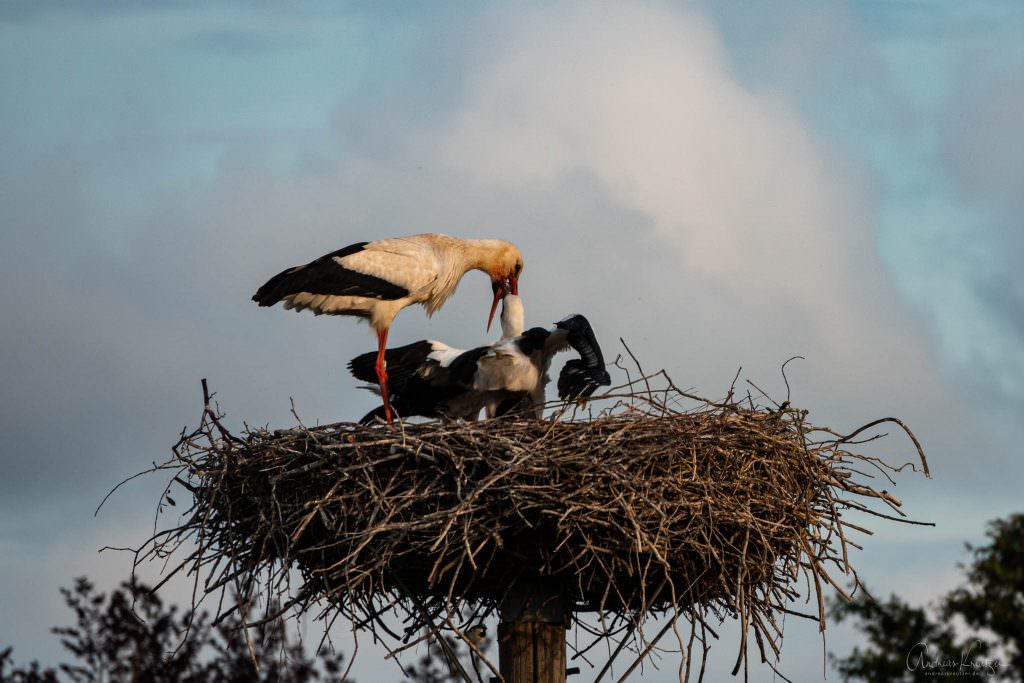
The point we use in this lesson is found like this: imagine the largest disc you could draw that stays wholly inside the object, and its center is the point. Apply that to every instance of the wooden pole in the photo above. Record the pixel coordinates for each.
(531, 634)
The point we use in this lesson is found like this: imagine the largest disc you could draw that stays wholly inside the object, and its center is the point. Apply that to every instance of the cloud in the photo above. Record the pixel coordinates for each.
(727, 177)
(755, 236)
(983, 119)
(987, 174)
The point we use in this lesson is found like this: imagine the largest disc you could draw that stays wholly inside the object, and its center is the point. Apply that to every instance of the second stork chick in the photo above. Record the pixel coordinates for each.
(431, 379)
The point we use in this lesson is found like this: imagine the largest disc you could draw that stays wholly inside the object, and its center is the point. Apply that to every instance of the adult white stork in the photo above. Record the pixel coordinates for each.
(432, 379)
(375, 280)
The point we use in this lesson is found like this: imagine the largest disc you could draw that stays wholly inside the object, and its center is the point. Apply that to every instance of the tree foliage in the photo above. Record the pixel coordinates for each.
(993, 597)
(131, 636)
(898, 636)
(910, 644)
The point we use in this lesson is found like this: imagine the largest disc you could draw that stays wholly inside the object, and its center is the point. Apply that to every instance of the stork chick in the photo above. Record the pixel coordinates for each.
(432, 379)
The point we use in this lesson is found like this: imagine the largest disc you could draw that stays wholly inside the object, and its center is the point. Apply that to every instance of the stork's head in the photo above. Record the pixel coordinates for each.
(505, 266)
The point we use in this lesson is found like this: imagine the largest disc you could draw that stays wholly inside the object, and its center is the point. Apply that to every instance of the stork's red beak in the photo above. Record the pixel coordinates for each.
(500, 288)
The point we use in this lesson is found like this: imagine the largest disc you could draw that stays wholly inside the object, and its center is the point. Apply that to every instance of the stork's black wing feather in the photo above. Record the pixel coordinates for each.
(576, 380)
(463, 368)
(327, 276)
(417, 383)
(403, 362)
(376, 413)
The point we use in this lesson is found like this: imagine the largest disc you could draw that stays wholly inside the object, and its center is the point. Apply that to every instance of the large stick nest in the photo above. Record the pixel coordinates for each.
(720, 508)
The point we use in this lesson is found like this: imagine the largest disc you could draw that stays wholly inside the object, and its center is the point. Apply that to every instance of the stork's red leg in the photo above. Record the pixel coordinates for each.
(382, 373)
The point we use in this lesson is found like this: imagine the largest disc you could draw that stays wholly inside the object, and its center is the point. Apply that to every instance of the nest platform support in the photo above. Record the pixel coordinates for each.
(531, 634)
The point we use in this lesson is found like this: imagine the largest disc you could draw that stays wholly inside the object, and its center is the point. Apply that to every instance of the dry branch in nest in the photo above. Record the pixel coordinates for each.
(662, 503)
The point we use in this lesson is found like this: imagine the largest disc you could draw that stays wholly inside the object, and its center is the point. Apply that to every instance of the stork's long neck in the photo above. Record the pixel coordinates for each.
(458, 257)
(480, 254)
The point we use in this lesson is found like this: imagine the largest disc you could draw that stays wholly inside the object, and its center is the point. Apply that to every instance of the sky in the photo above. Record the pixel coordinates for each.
(722, 185)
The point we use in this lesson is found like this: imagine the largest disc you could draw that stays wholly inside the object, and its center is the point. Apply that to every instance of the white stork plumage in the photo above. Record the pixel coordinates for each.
(432, 379)
(375, 280)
